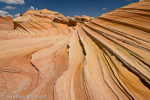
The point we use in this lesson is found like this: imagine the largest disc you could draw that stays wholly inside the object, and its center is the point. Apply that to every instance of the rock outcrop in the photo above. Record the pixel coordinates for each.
(52, 17)
(6, 23)
(53, 57)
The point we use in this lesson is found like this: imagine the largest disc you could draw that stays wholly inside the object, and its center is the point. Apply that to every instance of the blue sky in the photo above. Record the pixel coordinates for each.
(71, 8)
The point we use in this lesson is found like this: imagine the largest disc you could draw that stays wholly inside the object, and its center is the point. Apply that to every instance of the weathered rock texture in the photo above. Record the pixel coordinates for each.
(107, 58)
(6, 23)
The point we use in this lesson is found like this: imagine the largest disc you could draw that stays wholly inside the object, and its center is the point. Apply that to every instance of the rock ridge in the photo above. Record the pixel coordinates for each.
(47, 54)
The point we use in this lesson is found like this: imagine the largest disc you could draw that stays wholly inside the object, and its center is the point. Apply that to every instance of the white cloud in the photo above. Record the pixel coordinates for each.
(13, 1)
(32, 8)
(10, 15)
(2, 13)
(9, 7)
(5, 13)
(16, 15)
(104, 8)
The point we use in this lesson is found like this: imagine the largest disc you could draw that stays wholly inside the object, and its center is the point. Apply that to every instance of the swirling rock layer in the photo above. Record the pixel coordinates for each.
(107, 58)
(6, 23)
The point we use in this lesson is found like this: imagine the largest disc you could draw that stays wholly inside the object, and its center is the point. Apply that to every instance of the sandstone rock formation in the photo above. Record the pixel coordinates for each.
(6, 23)
(63, 58)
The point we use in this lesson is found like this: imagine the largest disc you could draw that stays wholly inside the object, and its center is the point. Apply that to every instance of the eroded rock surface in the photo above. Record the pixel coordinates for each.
(80, 58)
(6, 23)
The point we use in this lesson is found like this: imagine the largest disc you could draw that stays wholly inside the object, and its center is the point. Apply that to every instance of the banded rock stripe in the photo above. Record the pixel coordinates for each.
(107, 58)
